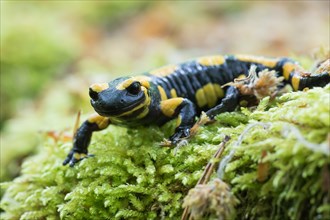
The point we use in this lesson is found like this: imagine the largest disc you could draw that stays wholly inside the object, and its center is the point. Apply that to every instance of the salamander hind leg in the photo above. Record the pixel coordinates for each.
(301, 82)
(185, 111)
(228, 103)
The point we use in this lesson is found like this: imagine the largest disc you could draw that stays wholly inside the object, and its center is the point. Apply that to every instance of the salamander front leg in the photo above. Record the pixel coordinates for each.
(185, 111)
(83, 137)
(228, 103)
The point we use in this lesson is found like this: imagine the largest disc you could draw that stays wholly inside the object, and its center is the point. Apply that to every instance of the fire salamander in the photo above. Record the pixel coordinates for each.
(180, 91)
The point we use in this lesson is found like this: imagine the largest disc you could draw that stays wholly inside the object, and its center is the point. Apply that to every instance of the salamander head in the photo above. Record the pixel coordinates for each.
(122, 96)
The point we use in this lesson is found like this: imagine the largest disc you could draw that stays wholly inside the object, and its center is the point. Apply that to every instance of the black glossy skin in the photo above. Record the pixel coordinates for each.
(186, 80)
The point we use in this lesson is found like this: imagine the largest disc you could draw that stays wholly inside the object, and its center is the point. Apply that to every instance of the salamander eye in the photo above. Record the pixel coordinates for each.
(134, 88)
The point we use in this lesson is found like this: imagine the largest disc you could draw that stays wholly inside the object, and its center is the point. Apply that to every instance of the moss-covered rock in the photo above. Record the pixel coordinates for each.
(278, 171)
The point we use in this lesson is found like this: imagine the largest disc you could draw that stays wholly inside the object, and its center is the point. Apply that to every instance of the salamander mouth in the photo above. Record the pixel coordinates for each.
(104, 111)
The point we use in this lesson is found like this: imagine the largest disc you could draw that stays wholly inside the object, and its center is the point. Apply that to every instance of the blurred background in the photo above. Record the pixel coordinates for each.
(51, 51)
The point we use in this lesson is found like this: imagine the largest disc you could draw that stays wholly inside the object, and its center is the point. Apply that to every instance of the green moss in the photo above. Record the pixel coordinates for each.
(132, 177)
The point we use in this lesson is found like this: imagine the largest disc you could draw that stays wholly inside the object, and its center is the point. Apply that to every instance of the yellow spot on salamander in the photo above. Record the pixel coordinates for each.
(178, 121)
(211, 60)
(173, 93)
(162, 93)
(295, 82)
(287, 69)
(268, 62)
(164, 71)
(169, 106)
(144, 81)
(102, 122)
(99, 87)
(200, 97)
(209, 95)
(242, 76)
(219, 91)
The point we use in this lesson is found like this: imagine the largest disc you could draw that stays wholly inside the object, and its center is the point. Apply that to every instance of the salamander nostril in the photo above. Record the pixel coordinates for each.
(94, 95)
(122, 100)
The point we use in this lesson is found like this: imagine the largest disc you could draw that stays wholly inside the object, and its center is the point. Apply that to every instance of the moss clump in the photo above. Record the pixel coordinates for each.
(277, 172)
